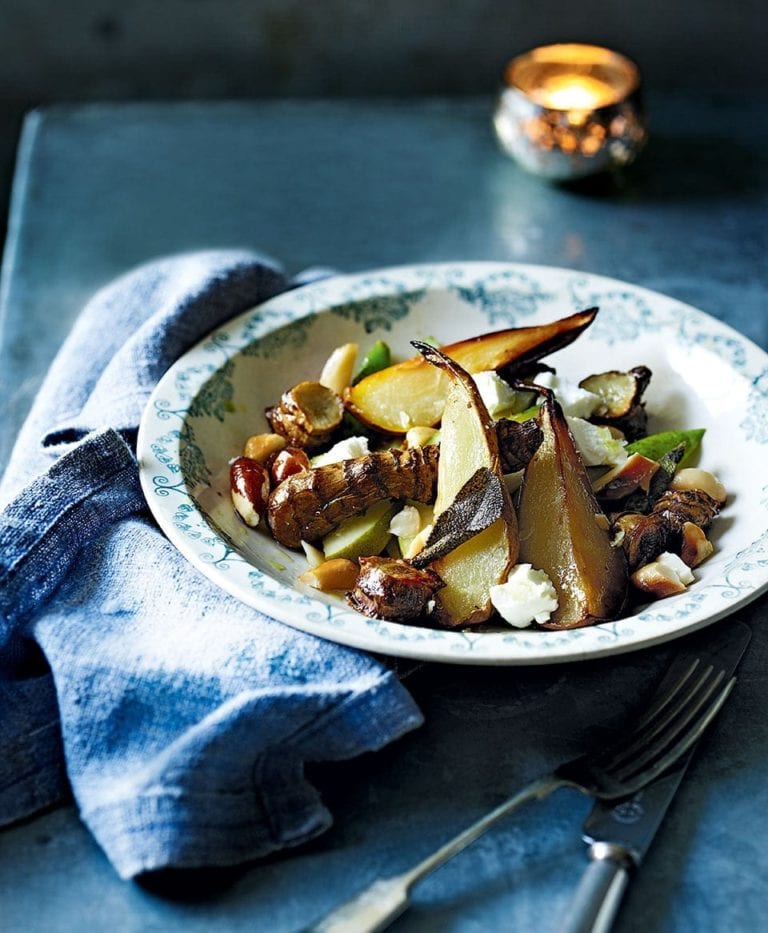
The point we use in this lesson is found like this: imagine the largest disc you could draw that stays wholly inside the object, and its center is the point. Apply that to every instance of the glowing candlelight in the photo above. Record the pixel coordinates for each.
(577, 92)
(571, 110)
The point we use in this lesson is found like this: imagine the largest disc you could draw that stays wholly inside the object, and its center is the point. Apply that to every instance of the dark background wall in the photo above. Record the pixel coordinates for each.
(176, 49)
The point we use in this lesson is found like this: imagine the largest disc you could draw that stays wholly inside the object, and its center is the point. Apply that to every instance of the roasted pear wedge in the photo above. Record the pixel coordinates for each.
(413, 392)
(469, 444)
(561, 533)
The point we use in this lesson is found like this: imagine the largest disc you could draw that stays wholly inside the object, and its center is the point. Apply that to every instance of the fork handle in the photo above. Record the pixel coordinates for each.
(598, 896)
(375, 907)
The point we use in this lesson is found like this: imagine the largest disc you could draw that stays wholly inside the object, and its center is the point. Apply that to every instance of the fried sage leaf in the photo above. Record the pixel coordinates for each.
(478, 504)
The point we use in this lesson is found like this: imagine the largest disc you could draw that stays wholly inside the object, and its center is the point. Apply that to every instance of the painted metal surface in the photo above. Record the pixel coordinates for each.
(361, 185)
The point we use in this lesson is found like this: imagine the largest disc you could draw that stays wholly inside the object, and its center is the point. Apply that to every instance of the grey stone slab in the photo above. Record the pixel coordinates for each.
(486, 732)
(359, 185)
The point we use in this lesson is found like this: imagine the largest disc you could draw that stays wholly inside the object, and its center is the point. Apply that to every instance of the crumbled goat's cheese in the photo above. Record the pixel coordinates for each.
(596, 444)
(348, 449)
(527, 596)
(407, 522)
(575, 401)
(499, 397)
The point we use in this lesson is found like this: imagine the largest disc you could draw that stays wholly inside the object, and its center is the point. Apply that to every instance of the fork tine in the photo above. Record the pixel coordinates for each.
(687, 699)
(670, 689)
(664, 753)
(684, 743)
(671, 684)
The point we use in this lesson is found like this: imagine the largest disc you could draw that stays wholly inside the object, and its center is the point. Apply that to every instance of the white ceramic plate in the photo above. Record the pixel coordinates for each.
(704, 375)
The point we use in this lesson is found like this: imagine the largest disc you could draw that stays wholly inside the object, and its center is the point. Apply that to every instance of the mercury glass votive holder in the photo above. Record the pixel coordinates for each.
(567, 111)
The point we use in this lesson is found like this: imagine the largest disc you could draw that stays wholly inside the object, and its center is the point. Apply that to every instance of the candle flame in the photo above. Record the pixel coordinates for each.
(575, 92)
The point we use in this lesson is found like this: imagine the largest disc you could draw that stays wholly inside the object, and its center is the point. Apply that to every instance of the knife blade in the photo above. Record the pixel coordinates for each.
(620, 833)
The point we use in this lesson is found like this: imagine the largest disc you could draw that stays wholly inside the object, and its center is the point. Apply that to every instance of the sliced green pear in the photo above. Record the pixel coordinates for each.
(561, 531)
(656, 445)
(413, 392)
(363, 535)
(468, 444)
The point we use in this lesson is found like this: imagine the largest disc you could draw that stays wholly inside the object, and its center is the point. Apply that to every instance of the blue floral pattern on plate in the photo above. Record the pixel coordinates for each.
(705, 375)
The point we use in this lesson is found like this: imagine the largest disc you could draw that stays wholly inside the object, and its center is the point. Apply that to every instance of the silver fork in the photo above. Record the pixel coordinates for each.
(682, 707)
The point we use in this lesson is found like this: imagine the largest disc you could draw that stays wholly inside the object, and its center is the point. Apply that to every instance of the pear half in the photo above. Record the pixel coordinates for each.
(467, 443)
(413, 392)
(561, 533)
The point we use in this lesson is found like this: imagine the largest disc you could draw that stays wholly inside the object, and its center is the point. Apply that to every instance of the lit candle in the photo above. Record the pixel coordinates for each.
(576, 92)
(570, 110)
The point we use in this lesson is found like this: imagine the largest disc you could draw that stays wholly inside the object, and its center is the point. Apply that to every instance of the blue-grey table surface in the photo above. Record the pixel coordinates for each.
(364, 184)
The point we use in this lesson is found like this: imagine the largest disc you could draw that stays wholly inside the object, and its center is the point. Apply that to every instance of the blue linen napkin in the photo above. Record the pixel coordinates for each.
(180, 718)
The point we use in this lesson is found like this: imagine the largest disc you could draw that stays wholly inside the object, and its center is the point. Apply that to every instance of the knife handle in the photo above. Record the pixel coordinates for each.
(599, 894)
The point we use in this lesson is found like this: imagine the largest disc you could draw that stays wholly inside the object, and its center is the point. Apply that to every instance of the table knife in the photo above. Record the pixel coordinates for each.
(619, 834)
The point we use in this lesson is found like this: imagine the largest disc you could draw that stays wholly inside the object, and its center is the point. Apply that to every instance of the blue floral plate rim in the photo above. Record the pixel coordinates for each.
(194, 423)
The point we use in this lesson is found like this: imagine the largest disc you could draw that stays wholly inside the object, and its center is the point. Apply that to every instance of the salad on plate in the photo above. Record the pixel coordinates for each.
(471, 487)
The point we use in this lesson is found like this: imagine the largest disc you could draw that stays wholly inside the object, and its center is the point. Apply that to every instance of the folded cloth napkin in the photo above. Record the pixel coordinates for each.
(180, 718)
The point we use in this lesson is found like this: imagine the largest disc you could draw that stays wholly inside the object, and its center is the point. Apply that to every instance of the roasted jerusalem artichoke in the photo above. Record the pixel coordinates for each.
(307, 415)
(389, 588)
(309, 505)
(622, 396)
(518, 442)
(647, 536)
